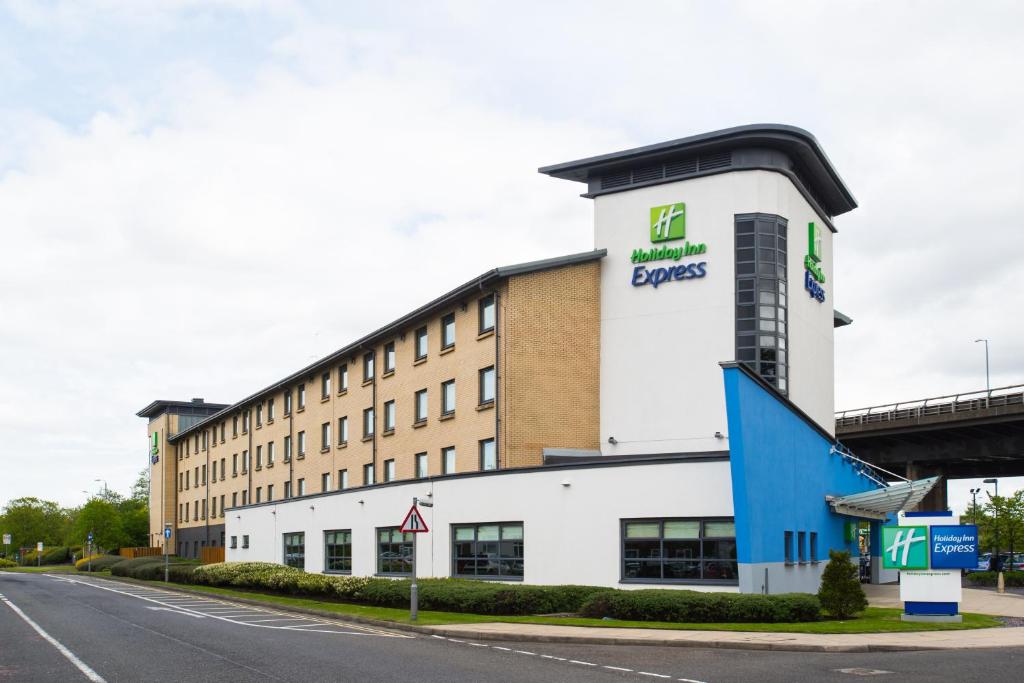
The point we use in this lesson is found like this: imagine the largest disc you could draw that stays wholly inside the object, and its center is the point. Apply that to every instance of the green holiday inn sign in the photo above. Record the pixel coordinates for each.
(668, 224)
(905, 547)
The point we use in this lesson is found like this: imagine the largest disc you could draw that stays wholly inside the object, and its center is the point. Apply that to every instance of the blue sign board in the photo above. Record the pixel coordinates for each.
(954, 547)
(89, 537)
(167, 534)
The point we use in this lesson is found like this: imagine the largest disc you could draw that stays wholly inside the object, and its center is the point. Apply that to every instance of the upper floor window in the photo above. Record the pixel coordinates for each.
(448, 331)
(421, 405)
(270, 410)
(488, 455)
(342, 430)
(270, 454)
(325, 385)
(259, 414)
(448, 397)
(343, 377)
(325, 436)
(448, 460)
(389, 416)
(486, 313)
(761, 297)
(421, 343)
(302, 443)
(245, 422)
(302, 396)
(389, 357)
(234, 426)
(342, 479)
(288, 402)
(421, 466)
(368, 366)
(287, 448)
(487, 385)
(389, 470)
(368, 423)
(368, 474)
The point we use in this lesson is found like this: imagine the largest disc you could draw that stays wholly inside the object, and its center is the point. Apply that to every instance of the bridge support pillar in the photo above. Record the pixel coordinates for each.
(937, 499)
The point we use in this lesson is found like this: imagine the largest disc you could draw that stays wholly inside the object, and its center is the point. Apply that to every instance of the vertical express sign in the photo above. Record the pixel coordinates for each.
(667, 226)
(814, 276)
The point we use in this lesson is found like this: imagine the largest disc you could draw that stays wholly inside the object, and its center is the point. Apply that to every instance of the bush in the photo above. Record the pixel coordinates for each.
(840, 593)
(56, 555)
(696, 607)
(4, 563)
(1010, 579)
(152, 569)
(99, 562)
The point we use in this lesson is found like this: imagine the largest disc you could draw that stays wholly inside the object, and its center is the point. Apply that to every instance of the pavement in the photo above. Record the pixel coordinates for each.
(976, 600)
(70, 628)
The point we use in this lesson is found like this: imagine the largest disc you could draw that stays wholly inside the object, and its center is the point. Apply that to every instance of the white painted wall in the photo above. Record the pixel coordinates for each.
(661, 386)
(571, 533)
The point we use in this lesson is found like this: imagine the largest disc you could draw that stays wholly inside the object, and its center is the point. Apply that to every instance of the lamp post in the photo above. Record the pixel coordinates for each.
(974, 504)
(988, 385)
(996, 553)
(105, 489)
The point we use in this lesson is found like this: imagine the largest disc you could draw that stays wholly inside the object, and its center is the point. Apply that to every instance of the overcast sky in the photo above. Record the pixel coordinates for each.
(197, 198)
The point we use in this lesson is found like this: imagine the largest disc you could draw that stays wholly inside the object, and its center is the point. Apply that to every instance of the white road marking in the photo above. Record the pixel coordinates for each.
(68, 654)
(616, 668)
(506, 649)
(190, 607)
(175, 611)
(576, 661)
(524, 652)
(689, 680)
(648, 673)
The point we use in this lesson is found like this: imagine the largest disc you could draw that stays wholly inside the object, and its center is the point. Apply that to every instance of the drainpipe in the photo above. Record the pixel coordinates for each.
(206, 484)
(498, 405)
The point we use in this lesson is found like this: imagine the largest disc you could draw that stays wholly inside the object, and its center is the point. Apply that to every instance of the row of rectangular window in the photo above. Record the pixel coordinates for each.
(806, 547)
(486, 307)
(652, 551)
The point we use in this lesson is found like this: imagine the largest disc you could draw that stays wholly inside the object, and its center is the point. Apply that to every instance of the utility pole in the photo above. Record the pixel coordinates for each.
(974, 504)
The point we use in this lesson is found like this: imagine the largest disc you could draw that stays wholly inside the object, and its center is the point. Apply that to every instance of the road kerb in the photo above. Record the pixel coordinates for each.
(581, 639)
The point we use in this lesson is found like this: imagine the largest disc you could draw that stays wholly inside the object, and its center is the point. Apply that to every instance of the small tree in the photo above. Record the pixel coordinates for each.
(840, 593)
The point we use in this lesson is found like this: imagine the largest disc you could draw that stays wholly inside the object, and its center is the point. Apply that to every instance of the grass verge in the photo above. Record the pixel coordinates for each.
(41, 570)
(872, 620)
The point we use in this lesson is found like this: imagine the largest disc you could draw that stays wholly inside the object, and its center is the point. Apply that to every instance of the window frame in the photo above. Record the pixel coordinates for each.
(301, 535)
(368, 370)
(421, 412)
(446, 409)
(401, 556)
(328, 556)
(446, 320)
(325, 386)
(483, 374)
(390, 358)
(664, 561)
(421, 343)
(494, 446)
(444, 460)
(484, 303)
(390, 470)
(390, 416)
(476, 554)
(418, 459)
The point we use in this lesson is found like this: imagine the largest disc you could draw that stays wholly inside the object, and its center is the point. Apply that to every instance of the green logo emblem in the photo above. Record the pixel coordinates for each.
(813, 259)
(668, 222)
(905, 547)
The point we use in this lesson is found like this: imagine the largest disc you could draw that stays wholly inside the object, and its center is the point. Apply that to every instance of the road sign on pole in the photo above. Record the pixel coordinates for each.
(7, 539)
(413, 522)
(39, 554)
(167, 556)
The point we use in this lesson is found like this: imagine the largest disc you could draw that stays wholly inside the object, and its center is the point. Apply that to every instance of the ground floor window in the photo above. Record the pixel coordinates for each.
(488, 551)
(679, 550)
(394, 551)
(338, 551)
(295, 550)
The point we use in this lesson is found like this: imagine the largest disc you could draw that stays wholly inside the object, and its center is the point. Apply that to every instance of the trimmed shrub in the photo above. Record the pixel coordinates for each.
(4, 563)
(1011, 579)
(58, 554)
(696, 607)
(99, 562)
(152, 568)
(840, 593)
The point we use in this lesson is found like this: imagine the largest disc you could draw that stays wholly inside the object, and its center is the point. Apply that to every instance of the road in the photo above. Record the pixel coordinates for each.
(71, 628)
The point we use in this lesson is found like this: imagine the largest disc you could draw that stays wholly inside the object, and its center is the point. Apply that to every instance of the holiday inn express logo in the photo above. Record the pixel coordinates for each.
(905, 547)
(668, 222)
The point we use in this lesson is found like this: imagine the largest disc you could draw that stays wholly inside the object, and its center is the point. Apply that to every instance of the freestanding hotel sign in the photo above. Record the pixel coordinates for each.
(930, 549)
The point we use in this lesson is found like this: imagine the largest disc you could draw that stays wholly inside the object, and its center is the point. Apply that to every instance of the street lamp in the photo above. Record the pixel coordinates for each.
(974, 504)
(104, 486)
(996, 554)
(988, 386)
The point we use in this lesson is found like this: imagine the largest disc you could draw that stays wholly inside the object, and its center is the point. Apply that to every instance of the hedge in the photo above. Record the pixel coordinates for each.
(152, 568)
(60, 554)
(1011, 579)
(695, 607)
(99, 562)
(4, 563)
(448, 595)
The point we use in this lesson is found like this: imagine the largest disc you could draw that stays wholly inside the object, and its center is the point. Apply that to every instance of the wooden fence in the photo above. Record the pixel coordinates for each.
(211, 555)
(132, 553)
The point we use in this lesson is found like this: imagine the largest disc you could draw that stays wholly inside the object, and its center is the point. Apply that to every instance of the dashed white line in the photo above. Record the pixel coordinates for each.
(616, 668)
(477, 644)
(524, 652)
(505, 649)
(648, 673)
(68, 654)
(576, 661)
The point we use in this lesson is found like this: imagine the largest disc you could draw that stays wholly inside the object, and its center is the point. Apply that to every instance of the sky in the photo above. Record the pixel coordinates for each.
(196, 198)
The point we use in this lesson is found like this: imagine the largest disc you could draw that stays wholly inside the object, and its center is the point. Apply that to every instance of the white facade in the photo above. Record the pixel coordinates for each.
(661, 385)
(571, 516)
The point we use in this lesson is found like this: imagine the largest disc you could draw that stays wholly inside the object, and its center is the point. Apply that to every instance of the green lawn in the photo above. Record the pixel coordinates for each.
(872, 620)
(44, 568)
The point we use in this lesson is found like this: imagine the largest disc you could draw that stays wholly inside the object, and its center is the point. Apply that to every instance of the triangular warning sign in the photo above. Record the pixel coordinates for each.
(413, 523)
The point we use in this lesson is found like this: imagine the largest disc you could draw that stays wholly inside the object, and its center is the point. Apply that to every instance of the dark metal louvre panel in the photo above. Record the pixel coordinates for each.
(617, 179)
(681, 167)
(646, 173)
(715, 160)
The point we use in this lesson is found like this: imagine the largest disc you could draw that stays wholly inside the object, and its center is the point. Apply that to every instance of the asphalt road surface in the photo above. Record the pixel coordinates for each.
(71, 628)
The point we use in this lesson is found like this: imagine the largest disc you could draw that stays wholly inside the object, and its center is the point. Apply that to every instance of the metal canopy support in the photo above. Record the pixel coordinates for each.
(884, 501)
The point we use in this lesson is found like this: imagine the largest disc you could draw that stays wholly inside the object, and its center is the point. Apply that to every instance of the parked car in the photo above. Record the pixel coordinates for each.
(982, 565)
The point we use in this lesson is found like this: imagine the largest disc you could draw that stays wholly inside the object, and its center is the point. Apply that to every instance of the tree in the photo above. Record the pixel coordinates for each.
(1004, 522)
(840, 593)
(104, 520)
(30, 520)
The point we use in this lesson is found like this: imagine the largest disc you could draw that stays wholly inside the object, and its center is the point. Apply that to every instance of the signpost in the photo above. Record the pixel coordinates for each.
(7, 542)
(39, 554)
(89, 550)
(167, 537)
(414, 524)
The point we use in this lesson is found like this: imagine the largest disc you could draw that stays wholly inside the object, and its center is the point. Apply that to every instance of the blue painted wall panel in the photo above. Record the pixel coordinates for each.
(781, 472)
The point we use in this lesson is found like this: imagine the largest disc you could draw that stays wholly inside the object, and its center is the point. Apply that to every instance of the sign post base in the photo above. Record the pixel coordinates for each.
(934, 618)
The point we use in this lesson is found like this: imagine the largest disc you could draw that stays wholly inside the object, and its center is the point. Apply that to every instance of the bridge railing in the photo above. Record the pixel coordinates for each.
(936, 405)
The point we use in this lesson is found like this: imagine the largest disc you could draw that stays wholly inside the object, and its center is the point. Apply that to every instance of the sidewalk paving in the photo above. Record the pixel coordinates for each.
(809, 642)
(977, 600)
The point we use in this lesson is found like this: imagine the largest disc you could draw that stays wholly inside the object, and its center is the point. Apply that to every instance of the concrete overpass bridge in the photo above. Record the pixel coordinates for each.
(959, 436)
